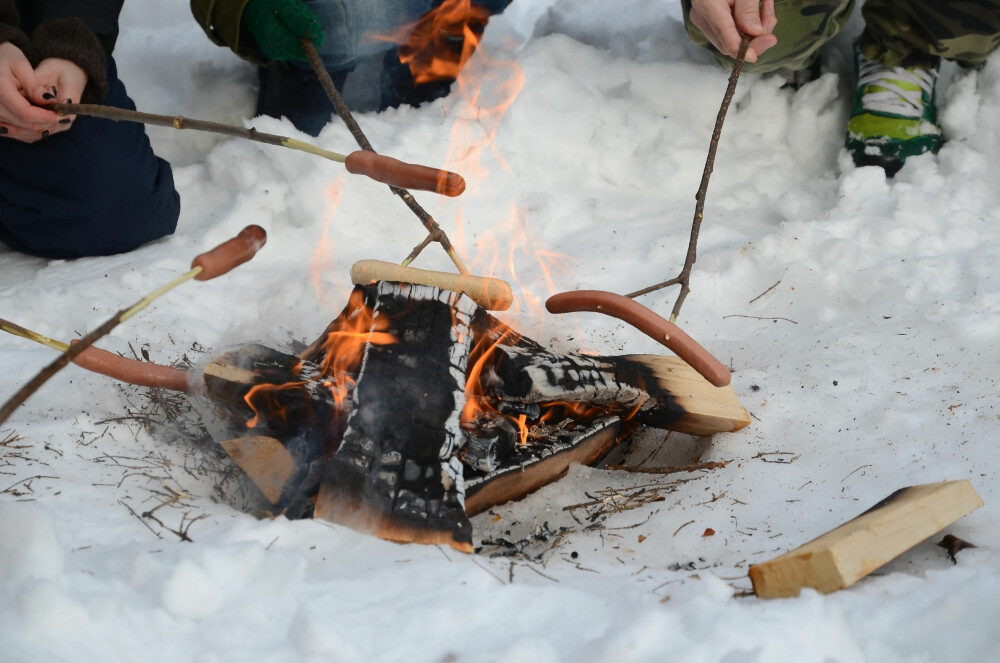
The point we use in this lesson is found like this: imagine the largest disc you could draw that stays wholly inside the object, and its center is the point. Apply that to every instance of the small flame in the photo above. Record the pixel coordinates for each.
(437, 46)
(344, 345)
(322, 257)
(342, 351)
(264, 400)
(476, 401)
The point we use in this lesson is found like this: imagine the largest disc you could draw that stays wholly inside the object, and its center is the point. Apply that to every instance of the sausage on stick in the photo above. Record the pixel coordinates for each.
(646, 321)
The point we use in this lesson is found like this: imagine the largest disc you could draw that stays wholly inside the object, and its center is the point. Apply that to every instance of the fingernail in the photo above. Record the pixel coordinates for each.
(45, 134)
(65, 120)
(4, 131)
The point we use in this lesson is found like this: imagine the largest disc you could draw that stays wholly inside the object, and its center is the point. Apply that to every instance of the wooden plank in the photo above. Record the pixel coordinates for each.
(708, 409)
(265, 460)
(516, 482)
(848, 553)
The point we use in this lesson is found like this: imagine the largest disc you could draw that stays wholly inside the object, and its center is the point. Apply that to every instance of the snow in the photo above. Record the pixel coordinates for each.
(869, 366)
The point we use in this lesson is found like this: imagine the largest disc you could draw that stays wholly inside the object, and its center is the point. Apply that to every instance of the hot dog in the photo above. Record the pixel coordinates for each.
(646, 321)
(230, 254)
(142, 373)
(404, 175)
(491, 294)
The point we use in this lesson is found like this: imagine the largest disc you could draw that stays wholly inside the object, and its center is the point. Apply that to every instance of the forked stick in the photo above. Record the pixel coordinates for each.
(684, 278)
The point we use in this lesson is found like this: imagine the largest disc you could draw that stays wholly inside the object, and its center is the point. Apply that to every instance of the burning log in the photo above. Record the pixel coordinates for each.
(416, 408)
(397, 472)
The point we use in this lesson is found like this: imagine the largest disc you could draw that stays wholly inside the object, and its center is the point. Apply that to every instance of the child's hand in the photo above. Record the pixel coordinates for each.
(723, 21)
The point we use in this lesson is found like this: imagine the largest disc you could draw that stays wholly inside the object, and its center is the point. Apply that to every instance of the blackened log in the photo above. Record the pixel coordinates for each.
(396, 472)
(541, 464)
(615, 385)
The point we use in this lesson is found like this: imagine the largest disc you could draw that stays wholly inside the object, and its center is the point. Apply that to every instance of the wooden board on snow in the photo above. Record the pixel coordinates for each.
(848, 553)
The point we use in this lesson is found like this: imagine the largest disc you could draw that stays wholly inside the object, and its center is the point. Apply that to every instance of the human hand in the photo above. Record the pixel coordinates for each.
(278, 25)
(63, 81)
(724, 21)
(21, 94)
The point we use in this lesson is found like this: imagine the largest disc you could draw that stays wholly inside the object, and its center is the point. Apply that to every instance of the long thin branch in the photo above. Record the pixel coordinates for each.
(435, 232)
(180, 122)
(684, 278)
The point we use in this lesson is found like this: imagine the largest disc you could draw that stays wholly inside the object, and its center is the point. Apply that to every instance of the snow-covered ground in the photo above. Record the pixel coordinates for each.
(871, 365)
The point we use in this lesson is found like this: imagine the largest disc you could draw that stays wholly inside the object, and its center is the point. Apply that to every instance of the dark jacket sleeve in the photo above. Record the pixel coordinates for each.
(221, 21)
(10, 25)
(83, 31)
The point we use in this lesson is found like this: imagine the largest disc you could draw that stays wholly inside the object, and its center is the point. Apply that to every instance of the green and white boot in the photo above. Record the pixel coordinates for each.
(894, 114)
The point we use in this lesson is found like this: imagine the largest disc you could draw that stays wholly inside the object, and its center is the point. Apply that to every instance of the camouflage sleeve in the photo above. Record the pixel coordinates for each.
(910, 33)
(803, 27)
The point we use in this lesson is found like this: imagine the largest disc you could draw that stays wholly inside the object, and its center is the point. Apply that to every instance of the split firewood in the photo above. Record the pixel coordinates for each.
(848, 553)
(662, 392)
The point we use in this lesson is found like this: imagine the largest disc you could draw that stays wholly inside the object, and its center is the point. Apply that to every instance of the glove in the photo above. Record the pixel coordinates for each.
(277, 26)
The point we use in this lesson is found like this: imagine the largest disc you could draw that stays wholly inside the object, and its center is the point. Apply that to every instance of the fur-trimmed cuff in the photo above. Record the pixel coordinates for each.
(71, 39)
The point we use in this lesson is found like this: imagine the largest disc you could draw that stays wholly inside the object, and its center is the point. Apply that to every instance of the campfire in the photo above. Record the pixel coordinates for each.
(416, 408)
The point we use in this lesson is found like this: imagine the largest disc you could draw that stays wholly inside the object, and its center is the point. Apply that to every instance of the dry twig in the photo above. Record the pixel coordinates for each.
(684, 278)
(694, 467)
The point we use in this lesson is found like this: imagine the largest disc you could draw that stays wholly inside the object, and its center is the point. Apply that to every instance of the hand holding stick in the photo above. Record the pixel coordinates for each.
(380, 168)
(209, 265)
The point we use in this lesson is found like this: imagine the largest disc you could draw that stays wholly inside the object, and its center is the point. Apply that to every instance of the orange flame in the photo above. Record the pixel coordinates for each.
(344, 345)
(476, 402)
(263, 400)
(342, 350)
(437, 46)
(323, 255)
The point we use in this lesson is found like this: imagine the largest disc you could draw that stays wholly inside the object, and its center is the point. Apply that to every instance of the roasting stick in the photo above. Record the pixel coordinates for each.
(18, 330)
(435, 232)
(133, 371)
(218, 261)
(375, 166)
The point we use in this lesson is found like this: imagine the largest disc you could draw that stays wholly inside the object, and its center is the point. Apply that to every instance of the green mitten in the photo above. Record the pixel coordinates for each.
(277, 26)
